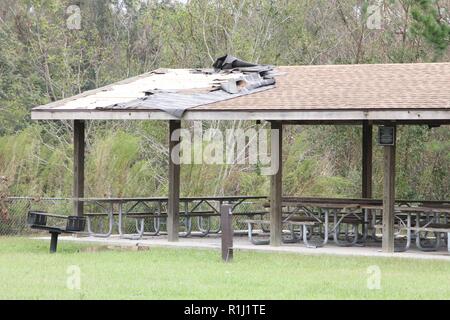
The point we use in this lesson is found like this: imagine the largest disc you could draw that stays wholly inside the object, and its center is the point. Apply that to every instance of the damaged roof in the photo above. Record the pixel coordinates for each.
(176, 90)
(258, 92)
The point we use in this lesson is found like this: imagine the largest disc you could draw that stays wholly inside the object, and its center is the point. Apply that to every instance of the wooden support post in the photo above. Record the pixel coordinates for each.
(78, 166)
(173, 207)
(276, 184)
(366, 191)
(227, 232)
(388, 198)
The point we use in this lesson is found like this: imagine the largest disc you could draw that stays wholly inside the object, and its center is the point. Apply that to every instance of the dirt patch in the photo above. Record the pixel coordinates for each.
(94, 249)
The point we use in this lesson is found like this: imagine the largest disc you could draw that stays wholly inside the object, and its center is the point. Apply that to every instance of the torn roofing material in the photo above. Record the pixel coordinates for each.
(233, 78)
(176, 103)
(232, 63)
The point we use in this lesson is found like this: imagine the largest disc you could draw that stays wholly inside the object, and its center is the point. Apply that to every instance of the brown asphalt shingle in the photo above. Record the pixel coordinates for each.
(375, 86)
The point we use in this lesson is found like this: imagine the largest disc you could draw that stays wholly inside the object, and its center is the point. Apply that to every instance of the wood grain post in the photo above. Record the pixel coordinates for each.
(366, 174)
(388, 198)
(276, 185)
(173, 207)
(78, 166)
(366, 191)
(226, 216)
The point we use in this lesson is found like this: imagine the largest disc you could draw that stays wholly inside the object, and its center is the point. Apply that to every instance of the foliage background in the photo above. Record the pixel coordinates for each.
(41, 60)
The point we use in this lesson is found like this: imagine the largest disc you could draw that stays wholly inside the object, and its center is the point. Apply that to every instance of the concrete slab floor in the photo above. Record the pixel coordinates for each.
(242, 243)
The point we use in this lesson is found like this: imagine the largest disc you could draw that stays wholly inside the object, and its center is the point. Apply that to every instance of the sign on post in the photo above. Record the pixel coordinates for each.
(386, 136)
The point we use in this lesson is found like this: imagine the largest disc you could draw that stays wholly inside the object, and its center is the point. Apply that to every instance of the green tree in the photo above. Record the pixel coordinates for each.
(431, 23)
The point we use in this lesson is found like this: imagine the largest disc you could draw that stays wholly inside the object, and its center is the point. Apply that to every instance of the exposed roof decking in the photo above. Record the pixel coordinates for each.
(133, 88)
(405, 92)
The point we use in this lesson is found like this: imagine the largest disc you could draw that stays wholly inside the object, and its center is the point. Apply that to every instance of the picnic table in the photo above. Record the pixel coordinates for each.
(108, 204)
(365, 214)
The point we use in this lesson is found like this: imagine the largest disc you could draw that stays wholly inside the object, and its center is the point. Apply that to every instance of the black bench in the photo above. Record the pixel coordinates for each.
(38, 220)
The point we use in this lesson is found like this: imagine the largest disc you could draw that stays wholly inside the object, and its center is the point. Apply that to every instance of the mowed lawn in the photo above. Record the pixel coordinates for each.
(28, 271)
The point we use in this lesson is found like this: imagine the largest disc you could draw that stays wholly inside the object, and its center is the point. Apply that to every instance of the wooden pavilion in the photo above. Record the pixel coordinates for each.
(365, 95)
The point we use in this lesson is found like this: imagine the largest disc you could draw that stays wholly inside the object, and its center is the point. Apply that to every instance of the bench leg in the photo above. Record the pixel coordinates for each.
(408, 236)
(253, 240)
(337, 231)
(293, 237)
(119, 223)
(427, 248)
(204, 229)
(418, 240)
(306, 241)
(188, 227)
(140, 231)
(53, 241)
(140, 227)
(101, 235)
(326, 216)
(305, 238)
(249, 231)
(353, 241)
(325, 233)
(156, 227)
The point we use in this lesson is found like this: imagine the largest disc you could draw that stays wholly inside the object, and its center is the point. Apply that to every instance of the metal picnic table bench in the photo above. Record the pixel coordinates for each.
(403, 213)
(160, 214)
(361, 212)
(432, 224)
(320, 218)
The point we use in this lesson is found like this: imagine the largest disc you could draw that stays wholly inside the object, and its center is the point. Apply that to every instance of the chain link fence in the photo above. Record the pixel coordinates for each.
(14, 210)
(13, 219)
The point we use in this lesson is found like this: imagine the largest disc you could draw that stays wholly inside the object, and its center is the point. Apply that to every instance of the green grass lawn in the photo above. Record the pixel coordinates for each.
(27, 271)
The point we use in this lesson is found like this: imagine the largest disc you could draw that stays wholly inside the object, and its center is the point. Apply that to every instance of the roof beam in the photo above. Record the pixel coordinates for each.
(439, 116)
